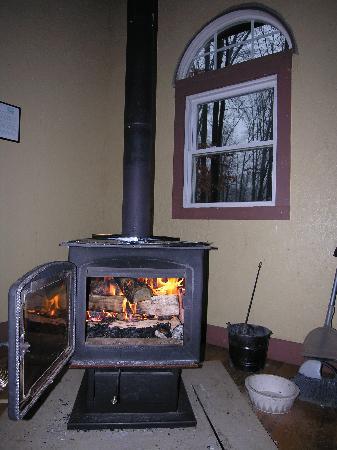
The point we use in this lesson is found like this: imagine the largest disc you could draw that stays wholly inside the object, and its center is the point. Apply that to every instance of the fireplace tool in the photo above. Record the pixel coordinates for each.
(248, 344)
(320, 346)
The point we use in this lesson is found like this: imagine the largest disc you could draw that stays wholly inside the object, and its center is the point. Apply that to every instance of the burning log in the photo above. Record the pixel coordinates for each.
(100, 286)
(107, 302)
(134, 290)
(160, 306)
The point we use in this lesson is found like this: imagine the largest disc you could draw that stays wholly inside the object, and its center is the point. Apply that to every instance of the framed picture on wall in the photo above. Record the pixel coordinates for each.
(10, 122)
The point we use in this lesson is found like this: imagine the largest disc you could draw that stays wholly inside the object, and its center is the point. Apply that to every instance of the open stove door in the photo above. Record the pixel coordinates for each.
(41, 332)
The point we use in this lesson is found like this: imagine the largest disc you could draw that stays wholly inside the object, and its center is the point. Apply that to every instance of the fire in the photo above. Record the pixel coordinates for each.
(169, 287)
(98, 316)
(112, 289)
(121, 308)
(51, 306)
(129, 309)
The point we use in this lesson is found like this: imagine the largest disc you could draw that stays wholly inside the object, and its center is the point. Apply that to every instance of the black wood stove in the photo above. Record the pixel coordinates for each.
(129, 309)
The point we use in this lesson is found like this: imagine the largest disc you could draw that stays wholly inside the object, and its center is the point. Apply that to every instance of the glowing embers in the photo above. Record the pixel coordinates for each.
(139, 308)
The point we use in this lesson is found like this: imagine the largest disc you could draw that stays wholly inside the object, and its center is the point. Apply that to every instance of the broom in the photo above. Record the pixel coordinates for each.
(320, 343)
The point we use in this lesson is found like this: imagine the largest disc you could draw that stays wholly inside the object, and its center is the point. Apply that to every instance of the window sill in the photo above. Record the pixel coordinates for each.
(237, 213)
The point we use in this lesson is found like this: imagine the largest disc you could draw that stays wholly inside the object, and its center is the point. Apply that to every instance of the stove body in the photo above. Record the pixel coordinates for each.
(160, 260)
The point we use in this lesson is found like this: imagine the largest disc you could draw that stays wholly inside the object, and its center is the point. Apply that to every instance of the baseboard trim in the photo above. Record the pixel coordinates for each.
(279, 349)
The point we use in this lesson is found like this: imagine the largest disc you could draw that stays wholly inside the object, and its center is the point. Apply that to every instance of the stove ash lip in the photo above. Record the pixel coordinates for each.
(116, 240)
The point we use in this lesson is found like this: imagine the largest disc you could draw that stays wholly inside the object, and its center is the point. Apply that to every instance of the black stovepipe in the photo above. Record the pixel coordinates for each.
(140, 118)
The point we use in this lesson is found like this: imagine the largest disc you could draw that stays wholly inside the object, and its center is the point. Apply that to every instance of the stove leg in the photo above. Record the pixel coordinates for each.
(131, 398)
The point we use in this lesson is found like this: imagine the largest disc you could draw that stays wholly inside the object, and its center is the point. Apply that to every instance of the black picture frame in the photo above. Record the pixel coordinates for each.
(10, 126)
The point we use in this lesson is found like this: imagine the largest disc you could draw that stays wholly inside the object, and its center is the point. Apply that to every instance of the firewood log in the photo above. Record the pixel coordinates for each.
(108, 302)
(160, 306)
(135, 291)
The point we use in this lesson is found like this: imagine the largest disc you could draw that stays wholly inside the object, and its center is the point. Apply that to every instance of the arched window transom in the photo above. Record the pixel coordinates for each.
(234, 38)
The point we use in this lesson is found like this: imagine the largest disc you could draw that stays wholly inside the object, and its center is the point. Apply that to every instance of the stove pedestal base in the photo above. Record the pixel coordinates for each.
(131, 399)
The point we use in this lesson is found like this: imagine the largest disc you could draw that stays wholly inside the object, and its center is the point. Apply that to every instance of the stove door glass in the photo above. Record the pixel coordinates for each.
(41, 332)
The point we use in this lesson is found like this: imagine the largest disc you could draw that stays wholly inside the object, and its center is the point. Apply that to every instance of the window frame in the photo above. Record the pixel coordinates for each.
(191, 150)
(277, 65)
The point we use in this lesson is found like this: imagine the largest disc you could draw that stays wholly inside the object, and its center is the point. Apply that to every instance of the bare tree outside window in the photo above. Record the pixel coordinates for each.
(243, 175)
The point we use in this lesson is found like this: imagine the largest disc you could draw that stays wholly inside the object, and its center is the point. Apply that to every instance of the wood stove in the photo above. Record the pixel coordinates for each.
(129, 309)
(132, 313)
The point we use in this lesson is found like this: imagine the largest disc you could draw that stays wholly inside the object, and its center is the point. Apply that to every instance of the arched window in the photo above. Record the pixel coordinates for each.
(232, 122)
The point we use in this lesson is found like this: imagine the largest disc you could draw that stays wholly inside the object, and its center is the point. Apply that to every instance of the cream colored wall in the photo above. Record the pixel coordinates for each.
(298, 266)
(62, 181)
(64, 65)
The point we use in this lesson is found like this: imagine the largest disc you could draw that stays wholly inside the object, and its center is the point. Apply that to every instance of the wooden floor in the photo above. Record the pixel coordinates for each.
(305, 427)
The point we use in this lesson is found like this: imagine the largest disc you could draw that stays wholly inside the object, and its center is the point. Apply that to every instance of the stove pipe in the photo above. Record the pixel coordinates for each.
(140, 118)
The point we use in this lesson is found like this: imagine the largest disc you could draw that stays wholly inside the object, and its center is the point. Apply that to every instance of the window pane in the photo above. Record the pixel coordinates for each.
(204, 60)
(234, 55)
(262, 29)
(234, 35)
(242, 176)
(270, 44)
(237, 120)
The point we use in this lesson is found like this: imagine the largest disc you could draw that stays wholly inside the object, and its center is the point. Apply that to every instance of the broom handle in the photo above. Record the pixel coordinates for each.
(331, 307)
(252, 297)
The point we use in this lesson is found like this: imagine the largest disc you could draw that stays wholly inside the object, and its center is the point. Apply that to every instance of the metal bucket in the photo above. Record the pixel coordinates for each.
(248, 346)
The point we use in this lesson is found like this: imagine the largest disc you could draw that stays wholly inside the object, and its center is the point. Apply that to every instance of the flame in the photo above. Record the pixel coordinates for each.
(129, 309)
(112, 289)
(98, 316)
(169, 287)
(52, 305)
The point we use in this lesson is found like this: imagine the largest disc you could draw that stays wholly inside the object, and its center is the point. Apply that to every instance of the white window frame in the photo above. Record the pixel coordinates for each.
(190, 148)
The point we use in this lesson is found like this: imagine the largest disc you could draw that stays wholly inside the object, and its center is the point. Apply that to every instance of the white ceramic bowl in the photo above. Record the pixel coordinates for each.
(270, 393)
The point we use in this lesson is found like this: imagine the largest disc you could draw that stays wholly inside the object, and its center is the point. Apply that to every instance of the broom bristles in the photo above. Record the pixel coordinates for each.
(322, 391)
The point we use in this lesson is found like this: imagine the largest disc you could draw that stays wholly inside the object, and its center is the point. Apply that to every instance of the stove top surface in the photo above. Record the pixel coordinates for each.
(115, 240)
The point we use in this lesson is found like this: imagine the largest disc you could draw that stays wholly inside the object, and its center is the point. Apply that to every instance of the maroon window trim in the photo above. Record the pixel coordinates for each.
(277, 64)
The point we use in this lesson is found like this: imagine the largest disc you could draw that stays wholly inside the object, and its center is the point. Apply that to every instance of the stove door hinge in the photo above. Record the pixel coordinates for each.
(24, 348)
